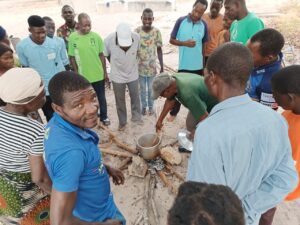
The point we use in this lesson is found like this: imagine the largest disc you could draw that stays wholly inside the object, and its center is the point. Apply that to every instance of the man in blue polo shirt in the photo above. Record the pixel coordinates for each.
(81, 190)
(190, 33)
(42, 54)
(265, 46)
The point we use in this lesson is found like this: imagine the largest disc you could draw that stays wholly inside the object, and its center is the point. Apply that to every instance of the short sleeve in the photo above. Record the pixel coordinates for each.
(158, 40)
(59, 33)
(37, 147)
(176, 27)
(63, 51)
(255, 26)
(100, 43)
(71, 48)
(67, 169)
(252, 84)
(206, 35)
(107, 51)
(21, 55)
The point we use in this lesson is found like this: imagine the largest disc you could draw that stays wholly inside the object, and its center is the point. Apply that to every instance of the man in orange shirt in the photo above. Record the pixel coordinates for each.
(214, 21)
(286, 91)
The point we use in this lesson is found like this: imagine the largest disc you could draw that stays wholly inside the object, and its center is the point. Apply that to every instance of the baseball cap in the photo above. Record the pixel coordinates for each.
(160, 83)
(124, 35)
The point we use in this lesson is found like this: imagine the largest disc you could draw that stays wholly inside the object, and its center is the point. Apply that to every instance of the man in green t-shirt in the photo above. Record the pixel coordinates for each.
(187, 88)
(85, 49)
(245, 23)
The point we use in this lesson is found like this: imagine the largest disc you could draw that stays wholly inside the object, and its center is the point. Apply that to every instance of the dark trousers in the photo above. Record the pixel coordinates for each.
(99, 88)
(177, 105)
(267, 217)
(47, 108)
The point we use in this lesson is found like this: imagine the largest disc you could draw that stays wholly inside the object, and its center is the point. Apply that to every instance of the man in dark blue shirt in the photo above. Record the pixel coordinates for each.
(81, 190)
(266, 46)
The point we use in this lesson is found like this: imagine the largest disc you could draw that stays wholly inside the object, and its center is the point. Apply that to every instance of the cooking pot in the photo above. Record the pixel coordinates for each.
(148, 145)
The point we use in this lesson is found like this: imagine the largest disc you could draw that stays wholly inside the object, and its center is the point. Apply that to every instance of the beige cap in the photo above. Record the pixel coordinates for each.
(160, 83)
(20, 86)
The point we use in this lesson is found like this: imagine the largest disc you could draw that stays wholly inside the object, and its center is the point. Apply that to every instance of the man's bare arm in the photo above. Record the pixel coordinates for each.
(74, 64)
(61, 210)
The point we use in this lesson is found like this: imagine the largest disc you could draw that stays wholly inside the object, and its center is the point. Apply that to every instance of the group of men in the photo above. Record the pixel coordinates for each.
(231, 90)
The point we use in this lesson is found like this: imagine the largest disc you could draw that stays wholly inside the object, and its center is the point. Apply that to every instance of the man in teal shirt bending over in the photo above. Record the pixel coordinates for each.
(245, 23)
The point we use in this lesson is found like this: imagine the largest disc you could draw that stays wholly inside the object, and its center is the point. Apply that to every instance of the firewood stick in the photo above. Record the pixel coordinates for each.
(124, 146)
(124, 164)
(138, 220)
(116, 153)
(179, 176)
(116, 140)
(105, 145)
(166, 182)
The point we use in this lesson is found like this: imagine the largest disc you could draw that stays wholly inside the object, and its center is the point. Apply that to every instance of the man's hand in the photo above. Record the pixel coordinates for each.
(190, 43)
(116, 174)
(112, 222)
(158, 125)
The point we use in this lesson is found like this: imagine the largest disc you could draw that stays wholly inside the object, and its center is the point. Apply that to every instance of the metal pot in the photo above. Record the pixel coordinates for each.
(148, 145)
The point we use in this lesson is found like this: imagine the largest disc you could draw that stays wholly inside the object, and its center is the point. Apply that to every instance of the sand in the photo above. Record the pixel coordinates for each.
(128, 197)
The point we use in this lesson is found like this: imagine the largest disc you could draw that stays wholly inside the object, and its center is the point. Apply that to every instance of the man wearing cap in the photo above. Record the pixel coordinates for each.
(21, 142)
(42, 54)
(87, 58)
(121, 50)
(188, 89)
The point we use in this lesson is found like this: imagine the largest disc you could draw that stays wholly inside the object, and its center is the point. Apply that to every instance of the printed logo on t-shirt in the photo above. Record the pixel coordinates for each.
(268, 100)
(101, 168)
(93, 41)
(46, 135)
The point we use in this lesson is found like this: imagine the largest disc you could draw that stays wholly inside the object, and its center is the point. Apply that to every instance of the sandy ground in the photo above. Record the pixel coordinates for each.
(128, 197)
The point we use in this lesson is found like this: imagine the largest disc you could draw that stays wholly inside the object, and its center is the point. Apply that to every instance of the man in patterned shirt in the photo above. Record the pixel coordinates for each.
(150, 43)
(64, 31)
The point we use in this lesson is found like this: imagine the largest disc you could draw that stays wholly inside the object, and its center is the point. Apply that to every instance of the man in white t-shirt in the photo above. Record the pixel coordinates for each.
(121, 51)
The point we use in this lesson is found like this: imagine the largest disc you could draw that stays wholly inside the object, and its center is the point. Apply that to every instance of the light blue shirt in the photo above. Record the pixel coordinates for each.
(62, 50)
(245, 145)
(185, 29)
(44, 58)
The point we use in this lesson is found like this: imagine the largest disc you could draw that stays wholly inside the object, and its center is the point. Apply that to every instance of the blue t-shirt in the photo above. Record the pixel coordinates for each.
(44, 58)
(74, 163)
(185, 29)
(62, 50)
(259, 84)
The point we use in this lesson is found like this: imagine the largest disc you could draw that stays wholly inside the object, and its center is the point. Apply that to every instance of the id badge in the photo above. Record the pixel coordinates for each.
(51, 56)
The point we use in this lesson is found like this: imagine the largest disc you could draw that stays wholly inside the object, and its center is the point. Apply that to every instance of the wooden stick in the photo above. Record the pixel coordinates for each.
(116, 153)
(137, 200)
(166, 182)
(105, 145)
(124, 164)
(138, 220)
(119, 143)
(124, 146)
(179, 176)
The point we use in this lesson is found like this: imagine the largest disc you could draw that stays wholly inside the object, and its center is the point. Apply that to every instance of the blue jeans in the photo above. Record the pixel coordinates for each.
(146, 91)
